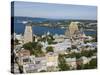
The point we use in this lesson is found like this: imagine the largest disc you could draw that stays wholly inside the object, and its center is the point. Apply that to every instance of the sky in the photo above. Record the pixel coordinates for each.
(55, 11)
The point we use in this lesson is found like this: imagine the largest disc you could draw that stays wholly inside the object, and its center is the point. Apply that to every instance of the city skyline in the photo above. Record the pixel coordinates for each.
(54, 11)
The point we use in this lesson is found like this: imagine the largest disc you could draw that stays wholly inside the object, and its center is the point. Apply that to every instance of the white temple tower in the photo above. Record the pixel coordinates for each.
(28, 37)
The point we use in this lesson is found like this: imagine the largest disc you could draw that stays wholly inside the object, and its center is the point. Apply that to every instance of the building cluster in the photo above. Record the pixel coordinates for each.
(71, 42)
(73, 62)
(30, 63)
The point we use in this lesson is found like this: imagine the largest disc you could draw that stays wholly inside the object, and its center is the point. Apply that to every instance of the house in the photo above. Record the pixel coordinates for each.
(36, 64)
(71, 62)
(23, 52)
(62, 47)
(75, 51)
(23, 56)
(85, 60)
(52, 61)
(15, 68)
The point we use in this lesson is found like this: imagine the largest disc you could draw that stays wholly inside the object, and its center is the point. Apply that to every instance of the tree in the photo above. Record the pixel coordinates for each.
(21, 69)
(51, 37)
(68, 49)
(78, 55)
(28, 46)
(93, 63)
(43, 71)
(49, 49)
(79, 66)
(34, 48)
(62, 64)
(34, 44)
(86, 66)
(38, 47)
(87, 53)
(72, 55)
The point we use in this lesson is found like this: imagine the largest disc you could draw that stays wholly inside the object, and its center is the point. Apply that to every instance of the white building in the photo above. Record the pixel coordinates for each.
(62, 47)
(19, 37)
(28, 36)
(59, 38)
(85, 60)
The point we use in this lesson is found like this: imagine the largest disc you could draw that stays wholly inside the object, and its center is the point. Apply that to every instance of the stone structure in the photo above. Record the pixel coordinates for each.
(73, 28)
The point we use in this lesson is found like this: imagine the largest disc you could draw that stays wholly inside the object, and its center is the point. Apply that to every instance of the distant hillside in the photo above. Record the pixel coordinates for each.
(18, 18)
(49, 20)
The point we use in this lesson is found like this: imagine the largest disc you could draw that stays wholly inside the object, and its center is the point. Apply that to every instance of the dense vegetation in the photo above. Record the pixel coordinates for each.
(83, 53)
(34, 48)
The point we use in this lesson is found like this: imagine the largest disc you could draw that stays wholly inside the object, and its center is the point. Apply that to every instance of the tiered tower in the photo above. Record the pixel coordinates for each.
(73, 28)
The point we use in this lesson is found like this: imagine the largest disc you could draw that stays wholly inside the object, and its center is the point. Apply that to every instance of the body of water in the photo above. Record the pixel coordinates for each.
(40, 30)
